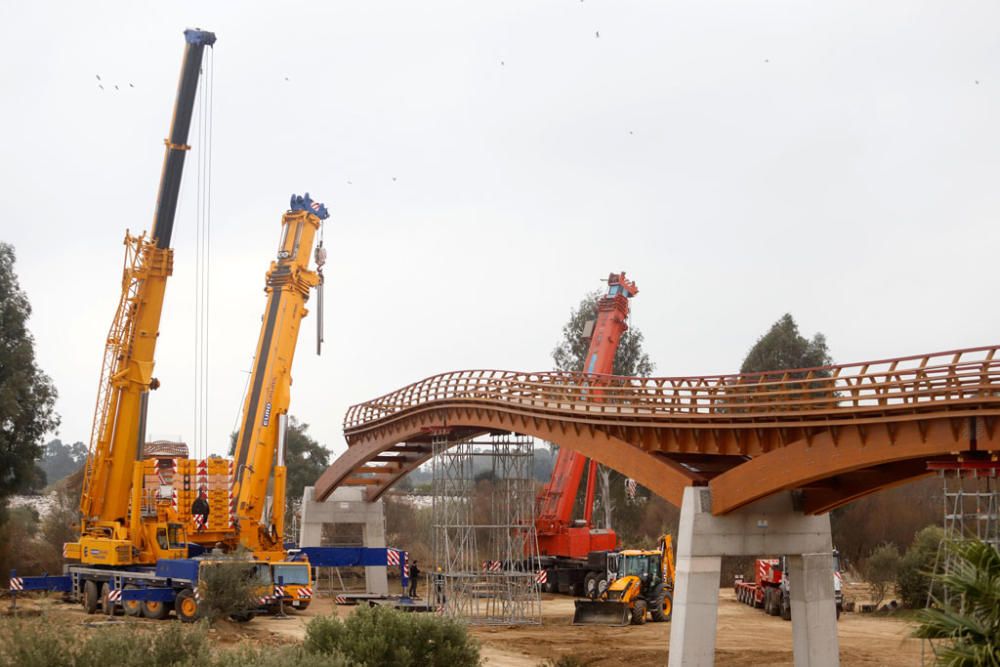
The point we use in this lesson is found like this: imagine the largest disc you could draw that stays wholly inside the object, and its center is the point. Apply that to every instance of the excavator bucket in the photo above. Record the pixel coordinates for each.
(601, 612)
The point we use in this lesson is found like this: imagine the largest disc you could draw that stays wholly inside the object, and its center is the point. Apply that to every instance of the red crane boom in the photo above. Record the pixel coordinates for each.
(558, 533)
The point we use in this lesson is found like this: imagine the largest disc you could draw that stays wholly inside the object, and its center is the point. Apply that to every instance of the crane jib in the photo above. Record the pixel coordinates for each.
(243, 447)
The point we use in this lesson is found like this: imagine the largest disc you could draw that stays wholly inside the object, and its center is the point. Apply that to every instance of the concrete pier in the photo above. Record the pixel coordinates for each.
(346, 506)
(770, 527)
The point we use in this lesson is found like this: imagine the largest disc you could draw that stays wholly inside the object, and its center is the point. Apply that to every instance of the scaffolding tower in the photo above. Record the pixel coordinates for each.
(484, 530)
(971, 491)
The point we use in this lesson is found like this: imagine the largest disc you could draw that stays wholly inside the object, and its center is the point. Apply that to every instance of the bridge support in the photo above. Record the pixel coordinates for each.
(346, 506)
(773, 526)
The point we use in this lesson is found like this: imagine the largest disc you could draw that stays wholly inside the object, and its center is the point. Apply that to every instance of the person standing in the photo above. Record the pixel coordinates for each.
(414, 577)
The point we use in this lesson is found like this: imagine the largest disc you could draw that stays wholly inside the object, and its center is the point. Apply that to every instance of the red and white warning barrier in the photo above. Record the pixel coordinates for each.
(340, 599)
(16, 584)
(279, 592)
(492, 566)
(541, 577)
(392, 556)
(305, 592)
(115, 595)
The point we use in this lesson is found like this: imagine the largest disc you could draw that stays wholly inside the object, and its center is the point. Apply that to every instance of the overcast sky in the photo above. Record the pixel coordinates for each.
(487, 163)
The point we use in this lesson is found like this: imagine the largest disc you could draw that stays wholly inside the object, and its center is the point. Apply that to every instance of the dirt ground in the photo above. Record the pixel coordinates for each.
(864, 639)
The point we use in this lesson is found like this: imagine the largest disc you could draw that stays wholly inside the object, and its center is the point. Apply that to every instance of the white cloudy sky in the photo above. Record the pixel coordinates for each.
(837, 160)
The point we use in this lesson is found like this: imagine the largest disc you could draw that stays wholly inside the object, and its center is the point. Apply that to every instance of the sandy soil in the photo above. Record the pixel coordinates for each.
(864, 639)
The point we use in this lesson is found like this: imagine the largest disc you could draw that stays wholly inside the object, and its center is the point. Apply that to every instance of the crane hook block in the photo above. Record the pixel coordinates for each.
(305, 203)
(199, 37)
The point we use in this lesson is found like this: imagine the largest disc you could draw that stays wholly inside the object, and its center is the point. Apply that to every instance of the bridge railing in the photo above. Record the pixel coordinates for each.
(871, 389)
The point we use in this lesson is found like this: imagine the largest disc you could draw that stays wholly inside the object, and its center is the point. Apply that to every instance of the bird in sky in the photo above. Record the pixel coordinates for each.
(393, 179)
(766, 60)
(286, 78)
(130, 85)
(502, 64)
(98, 76)
(350, 183)
(597, 33)
(116, 86)
(977, 82)
(100, 86)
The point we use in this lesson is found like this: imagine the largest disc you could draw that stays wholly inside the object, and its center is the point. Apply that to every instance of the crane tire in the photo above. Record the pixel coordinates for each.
(155, 609)
(186, 606)
(107, 606)
(131, 607)
(91, 596)
(786, 608)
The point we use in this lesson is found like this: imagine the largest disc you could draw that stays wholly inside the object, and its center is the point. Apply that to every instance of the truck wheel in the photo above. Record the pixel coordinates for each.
(131, 607)
(662, 607)
(107, 606)
(155, 609)
(786, 608)
(303, 605)
(590, 585)
(768, 602)
(638, 612)
(91, 596)
(186, 606)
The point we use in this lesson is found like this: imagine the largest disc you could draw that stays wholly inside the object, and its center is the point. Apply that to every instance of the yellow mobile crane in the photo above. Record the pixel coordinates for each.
(260, 443)
(113, 529)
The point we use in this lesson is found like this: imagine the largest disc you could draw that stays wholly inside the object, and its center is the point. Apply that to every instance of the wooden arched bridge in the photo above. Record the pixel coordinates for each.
(836, 433)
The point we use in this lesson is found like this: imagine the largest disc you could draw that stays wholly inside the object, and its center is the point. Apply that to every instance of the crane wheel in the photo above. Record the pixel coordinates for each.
(107, 606)
(91, 596)
(186, 606)
(786, 608)
(155, 609)
(132, 607)
(638, 612)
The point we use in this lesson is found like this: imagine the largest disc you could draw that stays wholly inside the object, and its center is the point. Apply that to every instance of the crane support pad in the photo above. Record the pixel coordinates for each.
(63, 583)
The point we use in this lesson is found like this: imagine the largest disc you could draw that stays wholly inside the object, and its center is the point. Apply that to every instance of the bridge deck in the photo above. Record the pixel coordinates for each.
(700, 430)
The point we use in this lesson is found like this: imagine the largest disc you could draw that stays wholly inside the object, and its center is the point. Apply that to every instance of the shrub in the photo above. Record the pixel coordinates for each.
(44, 643)
(228, 587)
(881, 569)
(967, 624)
(383, 637)
(286, 656)
(917, 565)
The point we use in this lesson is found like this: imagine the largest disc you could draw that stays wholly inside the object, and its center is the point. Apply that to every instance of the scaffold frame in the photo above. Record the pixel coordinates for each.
(484, 530)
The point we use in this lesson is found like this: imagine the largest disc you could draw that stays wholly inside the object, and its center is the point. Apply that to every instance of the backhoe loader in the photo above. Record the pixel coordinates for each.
(641, 583)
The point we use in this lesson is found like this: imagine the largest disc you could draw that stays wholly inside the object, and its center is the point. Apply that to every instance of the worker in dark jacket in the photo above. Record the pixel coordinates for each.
(199, 510)
(414, 577)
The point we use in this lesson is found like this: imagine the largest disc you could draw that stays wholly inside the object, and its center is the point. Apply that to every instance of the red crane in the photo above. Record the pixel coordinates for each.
(558, 534)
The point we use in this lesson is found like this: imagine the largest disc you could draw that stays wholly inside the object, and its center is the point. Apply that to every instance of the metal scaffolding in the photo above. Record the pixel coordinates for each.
(971, 511)
(484, 530)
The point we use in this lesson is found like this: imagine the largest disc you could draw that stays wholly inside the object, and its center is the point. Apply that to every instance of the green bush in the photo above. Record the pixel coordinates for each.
(40, 642)
(227, 588)
(383, 637)
(286, 656)
(916, 566)
(881, 569)
(966, 626)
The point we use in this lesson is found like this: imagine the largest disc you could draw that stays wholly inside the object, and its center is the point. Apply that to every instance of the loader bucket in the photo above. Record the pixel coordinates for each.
(601, 612)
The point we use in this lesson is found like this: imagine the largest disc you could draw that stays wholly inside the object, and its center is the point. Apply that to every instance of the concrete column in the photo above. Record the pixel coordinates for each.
(346, 505)
(814, 611)
(769, 527)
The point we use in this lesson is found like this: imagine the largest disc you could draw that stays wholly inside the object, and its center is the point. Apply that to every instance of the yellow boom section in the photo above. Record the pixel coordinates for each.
(288, 283)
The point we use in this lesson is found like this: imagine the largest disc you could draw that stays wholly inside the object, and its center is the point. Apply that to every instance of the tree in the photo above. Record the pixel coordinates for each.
(965, 627)
(917, 566)
(61, 460)
(784, 348)
(27, 396)
(630, 360)
(881, 571)
(569, 355)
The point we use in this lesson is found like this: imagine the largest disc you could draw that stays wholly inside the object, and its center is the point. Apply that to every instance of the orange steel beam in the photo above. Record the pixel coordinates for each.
(802, 462)
(826, 422)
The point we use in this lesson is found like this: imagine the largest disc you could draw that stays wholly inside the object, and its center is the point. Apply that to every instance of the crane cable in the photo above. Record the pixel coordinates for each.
(202, 282)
